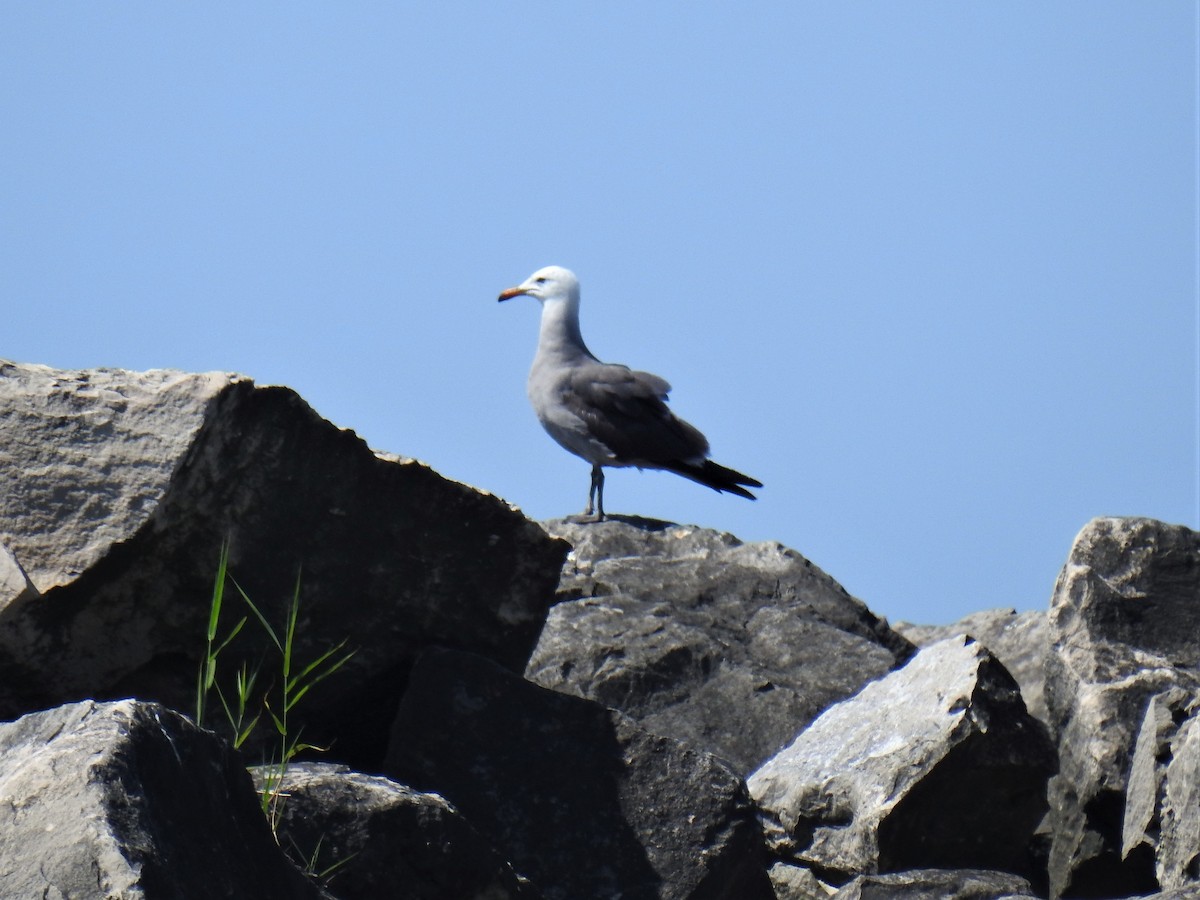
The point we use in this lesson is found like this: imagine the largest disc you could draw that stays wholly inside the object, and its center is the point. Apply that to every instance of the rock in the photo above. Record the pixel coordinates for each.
(130, 800)
(580, 800)
(937, 884)
(96, 452)
(1125, 628)
(937, 765)
(129, 483)
(1019, 640)
(376, 838)
(797, 883)
(727, 646)
(1162, 797)
(14, 583)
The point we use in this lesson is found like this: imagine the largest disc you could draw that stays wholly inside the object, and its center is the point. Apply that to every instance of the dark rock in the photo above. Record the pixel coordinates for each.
(935, 765)
(1125, 628)
(130, 800)
(376, 838)
(129, 482)
(1019, 640)
(937, 884)
(580, 800)
(727, 646)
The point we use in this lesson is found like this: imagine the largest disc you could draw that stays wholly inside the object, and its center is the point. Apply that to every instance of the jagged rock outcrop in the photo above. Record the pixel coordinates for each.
(678, 659)
(130, 800)
(120, 488)
(937, 765)
(937, 884)
(1162, 797)
(369, 837)
(581, 800)
(728, 646)
(792, 882)
(1125, 630)
(1019, 640)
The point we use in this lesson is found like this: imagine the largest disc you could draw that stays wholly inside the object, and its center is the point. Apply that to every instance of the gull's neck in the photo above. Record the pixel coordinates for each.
(559, 339)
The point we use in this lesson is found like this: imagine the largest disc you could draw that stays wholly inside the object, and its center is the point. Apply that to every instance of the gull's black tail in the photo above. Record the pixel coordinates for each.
(716, 477)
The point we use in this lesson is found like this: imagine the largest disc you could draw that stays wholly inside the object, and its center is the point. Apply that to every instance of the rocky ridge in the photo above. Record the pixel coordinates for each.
(633, 708)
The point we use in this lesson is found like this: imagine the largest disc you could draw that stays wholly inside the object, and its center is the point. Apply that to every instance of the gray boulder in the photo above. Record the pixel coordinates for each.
(792, 882)
(1125, 628)
(1162, 798)
(1019, 640)
(937, 765)
(370, 837)
(728, 646)
(937, 884)
(580, 800)
(122, 487)
(129, 800)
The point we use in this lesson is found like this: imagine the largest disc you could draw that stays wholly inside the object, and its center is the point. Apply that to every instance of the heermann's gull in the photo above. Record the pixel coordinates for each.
(605, 413)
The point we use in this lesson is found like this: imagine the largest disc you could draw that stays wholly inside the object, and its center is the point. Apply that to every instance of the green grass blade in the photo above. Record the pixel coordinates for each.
(218, 595)
(210, 672)
(303, 673)
(225, 643)
(208, 665)
(290, 636)
(258, 615)
(298, 695)
(246, 731)
(225, 705)
(300, 747)
(245, 681)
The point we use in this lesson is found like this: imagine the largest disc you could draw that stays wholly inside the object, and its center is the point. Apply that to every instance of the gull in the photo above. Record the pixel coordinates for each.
(608, 414)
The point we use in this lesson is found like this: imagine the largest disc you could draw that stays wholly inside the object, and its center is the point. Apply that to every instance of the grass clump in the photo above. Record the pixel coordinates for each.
(289, 681)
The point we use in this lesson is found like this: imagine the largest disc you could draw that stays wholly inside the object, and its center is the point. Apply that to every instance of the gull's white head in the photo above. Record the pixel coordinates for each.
(553, 283)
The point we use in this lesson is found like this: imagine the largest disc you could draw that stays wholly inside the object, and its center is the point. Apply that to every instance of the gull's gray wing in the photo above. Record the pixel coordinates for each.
(627, 412)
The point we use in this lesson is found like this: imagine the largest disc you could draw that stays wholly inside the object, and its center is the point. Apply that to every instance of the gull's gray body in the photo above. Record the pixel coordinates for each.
(608, 414)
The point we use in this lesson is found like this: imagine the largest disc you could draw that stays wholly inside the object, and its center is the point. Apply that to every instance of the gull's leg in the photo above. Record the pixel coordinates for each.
(595, 507)
(598, 487)
(595, 502)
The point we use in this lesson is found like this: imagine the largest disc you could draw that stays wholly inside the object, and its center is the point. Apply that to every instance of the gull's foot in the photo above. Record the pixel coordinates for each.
(585, 518)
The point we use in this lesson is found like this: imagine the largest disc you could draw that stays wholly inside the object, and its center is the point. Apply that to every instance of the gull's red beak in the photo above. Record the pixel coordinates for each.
(510, 293)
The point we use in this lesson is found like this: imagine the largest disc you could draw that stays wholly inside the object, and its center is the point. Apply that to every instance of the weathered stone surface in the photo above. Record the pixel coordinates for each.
(1019, 640)
(797, 883)
(936, 765)
(14, 583)
(126, 484)
(88, 457)
(1125, 627)
(937, 884)
(377, 838)
(130, 800)
(580, 800)
(728, 646)
(1162, 797)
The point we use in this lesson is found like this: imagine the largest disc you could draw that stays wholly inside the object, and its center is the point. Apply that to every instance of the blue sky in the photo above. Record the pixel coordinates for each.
(927, 270)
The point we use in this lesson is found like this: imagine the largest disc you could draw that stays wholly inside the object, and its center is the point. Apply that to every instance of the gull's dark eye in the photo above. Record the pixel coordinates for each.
(540, 280)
